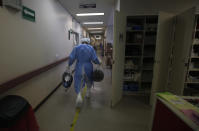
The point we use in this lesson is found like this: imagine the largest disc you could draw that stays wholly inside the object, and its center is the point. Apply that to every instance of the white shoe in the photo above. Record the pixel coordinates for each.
(88, 93)
(79, 101)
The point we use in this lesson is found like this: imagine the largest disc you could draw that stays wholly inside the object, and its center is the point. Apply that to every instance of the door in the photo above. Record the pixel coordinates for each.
(118, 57)
(182, 43)
(162, 53)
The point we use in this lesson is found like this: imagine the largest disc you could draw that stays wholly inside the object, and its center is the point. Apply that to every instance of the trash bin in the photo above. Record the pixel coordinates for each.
(16, 114)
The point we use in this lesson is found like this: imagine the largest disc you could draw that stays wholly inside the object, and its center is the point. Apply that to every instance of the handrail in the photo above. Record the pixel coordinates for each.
(27, 76)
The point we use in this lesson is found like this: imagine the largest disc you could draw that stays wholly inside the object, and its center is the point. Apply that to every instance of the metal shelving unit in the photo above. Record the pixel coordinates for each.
(141, 34)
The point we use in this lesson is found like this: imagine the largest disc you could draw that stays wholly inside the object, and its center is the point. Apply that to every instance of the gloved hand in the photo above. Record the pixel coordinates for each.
(68, 69)
(98, 66)
(100, 63)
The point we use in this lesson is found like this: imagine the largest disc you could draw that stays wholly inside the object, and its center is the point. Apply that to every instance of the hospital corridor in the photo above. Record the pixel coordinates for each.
(58, 112)
(99, 65)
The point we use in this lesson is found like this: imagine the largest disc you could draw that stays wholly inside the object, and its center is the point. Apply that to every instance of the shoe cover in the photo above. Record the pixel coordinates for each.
(79, 101)
(88, 93)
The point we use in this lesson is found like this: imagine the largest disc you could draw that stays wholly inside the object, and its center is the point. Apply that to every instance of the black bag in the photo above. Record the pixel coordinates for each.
(67, 79)
(98, 75)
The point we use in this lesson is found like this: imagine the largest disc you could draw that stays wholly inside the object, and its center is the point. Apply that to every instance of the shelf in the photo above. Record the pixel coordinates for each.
(132, 56)
(134, 44)
(148, 56)
(147, 69)
(192, 82)
(146, 81)
(194, 57)
(149, 44)
(151, 31)
(196, 44)
(130, 80)
(135, 30)
(146, 92)
(192, 70)
(130, 68)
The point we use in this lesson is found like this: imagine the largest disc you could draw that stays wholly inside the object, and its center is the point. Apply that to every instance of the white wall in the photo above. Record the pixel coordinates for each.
(109, 34)
(109, 29)
(26, 46)
(77, 28)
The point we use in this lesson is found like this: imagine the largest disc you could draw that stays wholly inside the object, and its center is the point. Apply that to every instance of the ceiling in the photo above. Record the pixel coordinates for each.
(102, 6)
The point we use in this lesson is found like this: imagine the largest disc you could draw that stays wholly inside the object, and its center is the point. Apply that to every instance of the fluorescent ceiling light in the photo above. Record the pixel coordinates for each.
(92, 23)
(89, 14)
(95, 28)
(93, 32)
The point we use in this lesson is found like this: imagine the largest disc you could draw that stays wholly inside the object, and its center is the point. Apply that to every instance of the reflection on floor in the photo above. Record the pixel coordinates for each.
(131, 114)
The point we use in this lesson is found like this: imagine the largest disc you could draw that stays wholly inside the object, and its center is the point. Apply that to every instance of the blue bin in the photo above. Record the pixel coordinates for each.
(137, 28)
(125, 88)
(133, 87)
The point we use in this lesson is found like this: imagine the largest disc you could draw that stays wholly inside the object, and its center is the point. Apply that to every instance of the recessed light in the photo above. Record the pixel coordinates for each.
(93, 23)
(89, 14)
(95, 28)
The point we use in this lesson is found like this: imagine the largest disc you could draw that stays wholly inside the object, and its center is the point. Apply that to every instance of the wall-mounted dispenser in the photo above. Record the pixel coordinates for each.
(15, 4)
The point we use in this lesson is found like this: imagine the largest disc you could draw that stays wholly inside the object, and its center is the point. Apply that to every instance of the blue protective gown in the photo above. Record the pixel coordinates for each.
(85, 55)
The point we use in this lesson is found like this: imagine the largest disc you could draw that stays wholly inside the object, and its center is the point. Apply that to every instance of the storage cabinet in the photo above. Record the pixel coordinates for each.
(174, 40)
(140, 47)
(192, 76)
(184, 33)
(157, 54)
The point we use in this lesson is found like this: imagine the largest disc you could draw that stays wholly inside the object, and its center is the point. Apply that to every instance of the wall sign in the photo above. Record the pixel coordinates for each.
(28, 14)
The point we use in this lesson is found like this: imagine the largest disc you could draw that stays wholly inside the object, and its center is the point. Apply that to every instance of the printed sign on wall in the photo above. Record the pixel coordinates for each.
(28, 14)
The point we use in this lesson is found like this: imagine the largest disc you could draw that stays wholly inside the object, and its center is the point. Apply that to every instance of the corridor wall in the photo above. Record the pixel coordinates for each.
(26, 46)
(109, 29)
